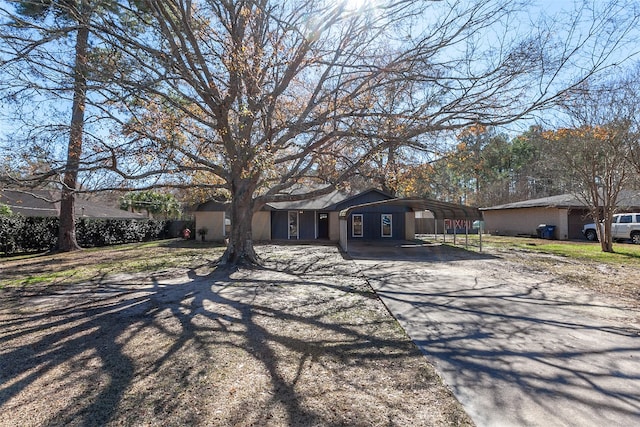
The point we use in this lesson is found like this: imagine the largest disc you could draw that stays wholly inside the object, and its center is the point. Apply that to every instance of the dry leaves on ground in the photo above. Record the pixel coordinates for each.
(303, 341)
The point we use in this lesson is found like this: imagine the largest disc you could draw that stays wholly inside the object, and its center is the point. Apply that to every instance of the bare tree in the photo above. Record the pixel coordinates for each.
(628, 103)
(597, 150)
(34, 30)
(263, 98)
(268, 96)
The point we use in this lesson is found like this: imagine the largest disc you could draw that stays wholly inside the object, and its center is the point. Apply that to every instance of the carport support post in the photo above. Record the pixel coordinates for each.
(343, 234)
(454, 232)
(466, 234)
(435, 228)
(444, 231)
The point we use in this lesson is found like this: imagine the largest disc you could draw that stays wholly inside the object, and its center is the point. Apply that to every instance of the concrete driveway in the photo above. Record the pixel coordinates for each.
(515, 347)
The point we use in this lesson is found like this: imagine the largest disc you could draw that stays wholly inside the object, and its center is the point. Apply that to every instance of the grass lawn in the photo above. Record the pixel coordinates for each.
(579, 263)
(626, 253)
(94, 263)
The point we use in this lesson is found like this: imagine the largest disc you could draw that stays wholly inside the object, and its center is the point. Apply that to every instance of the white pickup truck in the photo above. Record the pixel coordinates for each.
(624, 226)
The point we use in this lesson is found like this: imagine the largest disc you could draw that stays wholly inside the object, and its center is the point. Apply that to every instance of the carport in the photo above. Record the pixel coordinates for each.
(440, 210)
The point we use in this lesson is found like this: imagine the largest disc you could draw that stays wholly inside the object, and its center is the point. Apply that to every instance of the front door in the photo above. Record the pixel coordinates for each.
(323, 225)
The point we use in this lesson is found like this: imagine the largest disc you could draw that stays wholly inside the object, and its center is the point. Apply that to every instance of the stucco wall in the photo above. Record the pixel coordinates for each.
(261, 225)
(343, 232)
(511, 222)
(334, 226)
(213, 221)
(410, 225)
(562, 230)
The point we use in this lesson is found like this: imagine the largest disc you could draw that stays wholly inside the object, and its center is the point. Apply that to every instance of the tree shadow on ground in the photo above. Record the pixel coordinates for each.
(263, 346)
(417, 251)
(513, 348)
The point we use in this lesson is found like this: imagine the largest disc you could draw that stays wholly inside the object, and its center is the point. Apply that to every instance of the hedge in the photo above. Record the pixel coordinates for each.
(20, 234)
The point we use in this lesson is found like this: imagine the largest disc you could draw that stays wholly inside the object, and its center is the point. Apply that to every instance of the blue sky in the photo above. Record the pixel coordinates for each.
(549, 7)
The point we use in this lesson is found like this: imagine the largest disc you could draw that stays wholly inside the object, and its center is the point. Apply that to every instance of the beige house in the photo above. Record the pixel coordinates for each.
(211, 216)
(565, 212)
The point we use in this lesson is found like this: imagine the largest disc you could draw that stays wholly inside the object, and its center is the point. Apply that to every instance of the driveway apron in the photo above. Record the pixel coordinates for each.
(516, 348)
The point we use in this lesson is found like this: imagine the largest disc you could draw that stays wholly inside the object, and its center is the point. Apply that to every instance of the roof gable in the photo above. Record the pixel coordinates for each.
(333, 201)
(368, 196)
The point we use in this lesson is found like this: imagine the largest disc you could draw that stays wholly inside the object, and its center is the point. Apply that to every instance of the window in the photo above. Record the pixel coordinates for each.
(387, 222)
(625, 219)
(293, 224)
(356, 225)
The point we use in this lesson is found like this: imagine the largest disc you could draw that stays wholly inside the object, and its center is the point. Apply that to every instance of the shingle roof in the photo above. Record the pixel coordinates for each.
(37, 203)
(213, 206)
(441, 210)
(326, 202)
(90, 209)
(316, 203)
(628, 198)
(560, 201)
(44, 203)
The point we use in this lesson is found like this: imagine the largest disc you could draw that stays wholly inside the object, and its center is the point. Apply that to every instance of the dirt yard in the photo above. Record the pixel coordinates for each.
(619, 281)
(303, 341)
(91, 338)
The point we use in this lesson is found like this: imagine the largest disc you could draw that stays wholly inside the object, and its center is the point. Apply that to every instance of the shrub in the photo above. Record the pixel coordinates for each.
(5, 210)
(20, 234)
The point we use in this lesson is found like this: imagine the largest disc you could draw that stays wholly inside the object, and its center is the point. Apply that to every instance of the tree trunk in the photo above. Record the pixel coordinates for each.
(240, 249)
(67, 234)
(606, 240)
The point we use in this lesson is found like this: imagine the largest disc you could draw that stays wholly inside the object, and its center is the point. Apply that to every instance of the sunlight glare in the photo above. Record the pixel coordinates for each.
(355, 5)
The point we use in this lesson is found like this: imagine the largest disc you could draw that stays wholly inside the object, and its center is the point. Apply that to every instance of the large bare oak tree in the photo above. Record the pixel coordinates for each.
(262, 99)
(268, 97)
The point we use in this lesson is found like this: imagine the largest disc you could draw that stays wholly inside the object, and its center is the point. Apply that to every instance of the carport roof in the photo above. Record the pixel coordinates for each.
(440, 210)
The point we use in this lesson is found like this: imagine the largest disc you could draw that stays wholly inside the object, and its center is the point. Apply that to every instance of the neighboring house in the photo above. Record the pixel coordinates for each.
(212, 216)
(44, 203)
(336, 217)
(565, 212)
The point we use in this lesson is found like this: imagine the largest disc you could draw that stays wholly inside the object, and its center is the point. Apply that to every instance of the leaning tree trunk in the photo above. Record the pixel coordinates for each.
(67, 235)
(240, 250)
